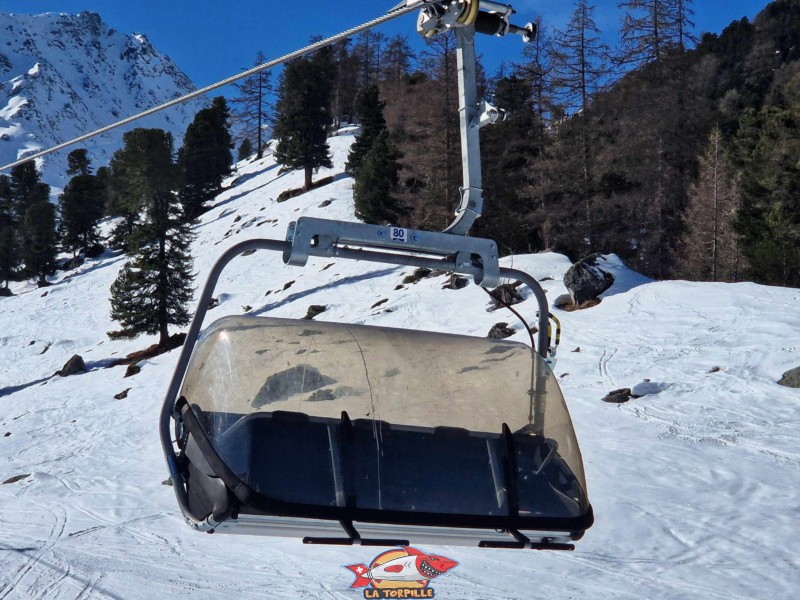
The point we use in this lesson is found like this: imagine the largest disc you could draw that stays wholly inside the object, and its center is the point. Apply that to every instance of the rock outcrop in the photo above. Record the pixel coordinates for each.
(586, 279)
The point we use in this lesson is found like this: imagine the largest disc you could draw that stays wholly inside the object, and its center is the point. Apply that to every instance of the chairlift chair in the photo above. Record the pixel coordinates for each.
(345, 433)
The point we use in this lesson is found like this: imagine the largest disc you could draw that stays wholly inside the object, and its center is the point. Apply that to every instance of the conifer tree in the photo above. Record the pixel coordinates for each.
(25, 188)
(345, 86)
(123, 199)
(681, 13)
(643, 31)
(512, 148)
(205, 157)
(368, 51)
(580, 59)
(397, 59)
(580, 68)
(9, 256)
(9, 242)
(132, 175)
(81, 208)
(7, 214)
(251, 106)
(537, 70)
(709, 250)
(769, 218)
(303, 115)
(369, 110)
(376, 181)
(35, 217)
(652, 28)
(78, 163)
(154, 287)
(436, 155)
(245, 150)
(104, 177)
(39, 241)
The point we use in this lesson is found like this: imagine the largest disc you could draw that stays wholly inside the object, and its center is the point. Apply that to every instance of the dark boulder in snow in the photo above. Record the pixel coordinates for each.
(314, 310)
(500, 331)
(94, 251)
(455, 282)
(791, 378)
(587, 279)
(5, 292)
(16, 478)
(618, 396)
(417, 275)
(506, 295)
(73, 366)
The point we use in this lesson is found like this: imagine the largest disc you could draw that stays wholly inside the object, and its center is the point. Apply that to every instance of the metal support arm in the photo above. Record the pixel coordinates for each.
(471, 205)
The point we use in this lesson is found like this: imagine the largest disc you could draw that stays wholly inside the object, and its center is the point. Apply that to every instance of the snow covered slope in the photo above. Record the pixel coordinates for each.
(63, 75)
(694, 486)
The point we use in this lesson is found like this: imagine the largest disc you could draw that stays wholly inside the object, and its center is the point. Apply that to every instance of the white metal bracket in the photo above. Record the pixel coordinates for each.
(310, 236)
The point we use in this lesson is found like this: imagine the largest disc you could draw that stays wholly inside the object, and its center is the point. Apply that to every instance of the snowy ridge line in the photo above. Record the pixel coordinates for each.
(70, 74)
(209, 88)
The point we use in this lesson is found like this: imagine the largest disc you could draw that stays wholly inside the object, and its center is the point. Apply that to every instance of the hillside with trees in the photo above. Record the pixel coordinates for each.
(675, 151)
(671, 150)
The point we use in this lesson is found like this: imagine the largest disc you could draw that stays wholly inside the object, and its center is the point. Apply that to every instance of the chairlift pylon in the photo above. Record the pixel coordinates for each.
(355, 434)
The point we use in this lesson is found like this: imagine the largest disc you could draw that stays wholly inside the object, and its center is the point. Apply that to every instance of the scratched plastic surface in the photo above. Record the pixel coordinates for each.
(418, 403)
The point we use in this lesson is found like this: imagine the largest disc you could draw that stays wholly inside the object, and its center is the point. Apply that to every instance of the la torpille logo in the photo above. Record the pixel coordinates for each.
(403, 573)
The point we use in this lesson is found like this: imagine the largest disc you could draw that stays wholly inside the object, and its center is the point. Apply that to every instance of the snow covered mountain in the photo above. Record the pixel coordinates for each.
(63, 75)
(694, 484)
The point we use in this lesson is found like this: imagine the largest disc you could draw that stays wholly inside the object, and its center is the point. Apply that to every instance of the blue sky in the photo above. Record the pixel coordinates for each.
(211, 40)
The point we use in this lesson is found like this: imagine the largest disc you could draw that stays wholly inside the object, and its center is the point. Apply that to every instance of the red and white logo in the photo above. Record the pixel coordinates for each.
(402, 573)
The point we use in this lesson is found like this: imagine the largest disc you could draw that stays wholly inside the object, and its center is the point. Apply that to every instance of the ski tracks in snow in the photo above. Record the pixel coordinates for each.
(603, 366)
(45, 570)
(36, 572)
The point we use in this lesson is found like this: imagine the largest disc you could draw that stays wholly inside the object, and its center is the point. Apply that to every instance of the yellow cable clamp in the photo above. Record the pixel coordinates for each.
(470, 13)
